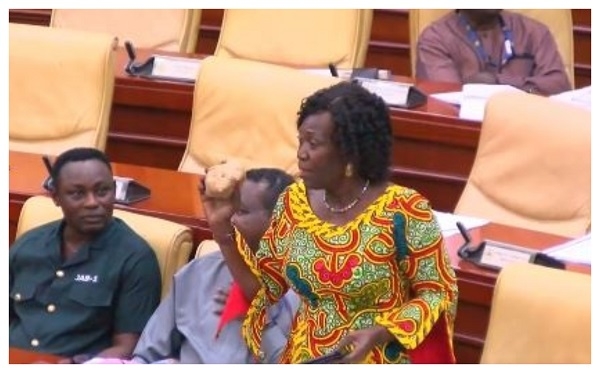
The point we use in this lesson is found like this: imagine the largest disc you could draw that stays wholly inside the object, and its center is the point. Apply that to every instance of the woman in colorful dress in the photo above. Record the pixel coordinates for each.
(366, 256)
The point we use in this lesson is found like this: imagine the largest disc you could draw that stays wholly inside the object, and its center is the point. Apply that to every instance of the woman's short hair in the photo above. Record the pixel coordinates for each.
(362, 126)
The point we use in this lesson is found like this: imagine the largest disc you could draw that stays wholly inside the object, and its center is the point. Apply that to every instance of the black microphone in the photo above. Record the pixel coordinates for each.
(466, 250)
(137, 69)
(47, 163)
(130, 50)
(130, 68)
(463, 232)
(48, 184)
(333, 70)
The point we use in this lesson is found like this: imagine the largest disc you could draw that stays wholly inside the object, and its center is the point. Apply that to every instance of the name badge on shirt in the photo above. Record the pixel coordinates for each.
(86, 278)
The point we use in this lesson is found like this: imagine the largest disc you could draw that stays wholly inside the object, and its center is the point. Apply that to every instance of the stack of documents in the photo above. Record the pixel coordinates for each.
(581, 97)
(472, 98)
(343, 74)
(447, 222)
(578, 250)
(179, 68)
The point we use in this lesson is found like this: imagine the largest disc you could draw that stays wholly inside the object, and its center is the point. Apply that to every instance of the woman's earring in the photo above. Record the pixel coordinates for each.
(349, 170)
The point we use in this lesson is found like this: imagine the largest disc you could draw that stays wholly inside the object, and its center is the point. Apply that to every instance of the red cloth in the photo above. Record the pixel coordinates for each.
(436, 348)
(236, 306)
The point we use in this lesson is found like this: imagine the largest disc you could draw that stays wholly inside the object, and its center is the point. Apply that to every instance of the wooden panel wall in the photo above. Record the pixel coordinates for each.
(389, 45)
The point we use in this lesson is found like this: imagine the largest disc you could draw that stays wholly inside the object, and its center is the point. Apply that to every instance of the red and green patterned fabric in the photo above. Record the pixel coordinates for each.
(352, 277)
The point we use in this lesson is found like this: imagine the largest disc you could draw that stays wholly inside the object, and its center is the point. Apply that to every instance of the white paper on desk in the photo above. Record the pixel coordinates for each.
(343, 74)
(176, 67)
(475, 96)
(581, 97)
(578, 250)
(453, 98)
(447, 222)
(393, 93)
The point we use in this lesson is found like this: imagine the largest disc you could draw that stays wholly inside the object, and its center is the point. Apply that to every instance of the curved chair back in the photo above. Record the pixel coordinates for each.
(206, 247)
(532, 168)
(306, 38)
(60, 88)
(171, 242)
(174, 30)
(558, 21)
(247, 110)
(539, 315)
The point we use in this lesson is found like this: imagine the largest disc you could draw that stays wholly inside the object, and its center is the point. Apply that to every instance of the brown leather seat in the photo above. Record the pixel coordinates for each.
(532, 168)
(60, 88)
(539, 315)
(304, 38)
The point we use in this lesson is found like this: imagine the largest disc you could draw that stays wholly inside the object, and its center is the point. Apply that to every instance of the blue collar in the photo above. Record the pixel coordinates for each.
(508, 45)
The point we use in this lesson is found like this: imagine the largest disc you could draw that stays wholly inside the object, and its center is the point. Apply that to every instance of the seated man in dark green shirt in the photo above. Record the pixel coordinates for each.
(85, 284)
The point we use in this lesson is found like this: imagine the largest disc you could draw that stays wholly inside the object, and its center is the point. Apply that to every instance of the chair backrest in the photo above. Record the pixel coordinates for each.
(533, 165)
(308, 38)
(539, 315)
(171, 242)
(558, 21)
(247, 110)
(174, 30)
(418, 20)
(206, 247)
(60, 88)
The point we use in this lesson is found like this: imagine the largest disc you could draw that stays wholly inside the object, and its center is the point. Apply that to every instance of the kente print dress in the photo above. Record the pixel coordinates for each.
(353, 277)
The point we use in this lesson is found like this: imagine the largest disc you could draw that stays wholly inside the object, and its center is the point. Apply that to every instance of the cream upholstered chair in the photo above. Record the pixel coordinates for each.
(174, 30)
(559, 22)
(539, 315)
(206, 247)
(247, 110)
(60, 88)
(171, 242)
(307, 38)
(533, 165)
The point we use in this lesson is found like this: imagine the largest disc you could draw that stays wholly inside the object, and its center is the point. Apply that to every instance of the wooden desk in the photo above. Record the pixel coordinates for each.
(433, 149)
(476, 284)
(174, 195)
(19, 356)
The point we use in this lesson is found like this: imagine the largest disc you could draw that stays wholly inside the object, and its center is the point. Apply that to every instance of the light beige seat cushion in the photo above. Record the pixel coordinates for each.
(539, 315)
(532, 168)
(60, 88)
(174, 30)
(247, 110)
(171, 242)
(206, 247)
(558, 21)
(308, 38)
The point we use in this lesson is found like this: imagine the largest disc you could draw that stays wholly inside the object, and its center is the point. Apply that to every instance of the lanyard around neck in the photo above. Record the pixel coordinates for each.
(507, 45)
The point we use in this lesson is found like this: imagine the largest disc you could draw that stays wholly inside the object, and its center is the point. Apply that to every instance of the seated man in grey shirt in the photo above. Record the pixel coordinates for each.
(184, 327)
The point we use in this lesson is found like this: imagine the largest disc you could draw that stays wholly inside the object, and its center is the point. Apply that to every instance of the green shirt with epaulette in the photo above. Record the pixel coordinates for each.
(110, 286)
